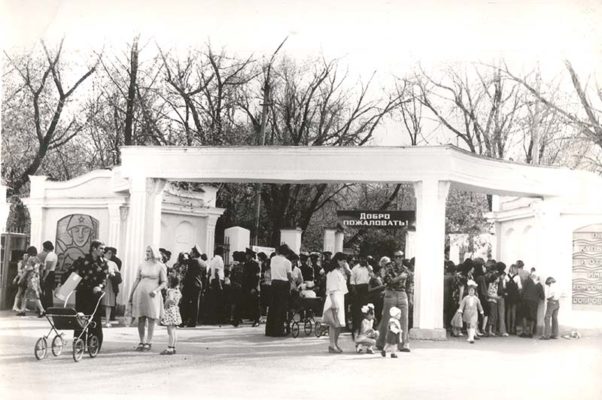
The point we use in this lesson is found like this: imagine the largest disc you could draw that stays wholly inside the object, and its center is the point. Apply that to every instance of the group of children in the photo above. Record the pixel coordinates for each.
(367, 335)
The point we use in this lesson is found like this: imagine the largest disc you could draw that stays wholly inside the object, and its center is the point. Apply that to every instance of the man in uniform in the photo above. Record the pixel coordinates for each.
(399, 289)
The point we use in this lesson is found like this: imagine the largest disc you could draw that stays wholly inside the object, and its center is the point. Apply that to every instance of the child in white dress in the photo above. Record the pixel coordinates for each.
(393, 333)
(469, 306)
(367, 335)
(171, 317)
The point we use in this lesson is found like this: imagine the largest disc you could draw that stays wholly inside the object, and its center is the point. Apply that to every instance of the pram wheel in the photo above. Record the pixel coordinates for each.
(318, 329)
(41, 348)
(295, 329)
(57, 345)
(93, 346)
(78, 349)
(287, 328)
(307, 327)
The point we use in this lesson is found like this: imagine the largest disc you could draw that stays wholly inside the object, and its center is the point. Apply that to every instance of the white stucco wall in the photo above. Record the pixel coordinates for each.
(179, 233)
(187, 218)
(520, 236)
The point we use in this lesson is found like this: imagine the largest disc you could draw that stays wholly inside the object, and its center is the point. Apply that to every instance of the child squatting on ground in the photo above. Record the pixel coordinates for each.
(171, 317)
(393, 333)
(367, 335)
(468, 308)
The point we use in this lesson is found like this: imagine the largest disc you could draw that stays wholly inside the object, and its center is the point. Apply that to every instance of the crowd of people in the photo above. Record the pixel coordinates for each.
(372, 299)
(35, 279)
(485, 298)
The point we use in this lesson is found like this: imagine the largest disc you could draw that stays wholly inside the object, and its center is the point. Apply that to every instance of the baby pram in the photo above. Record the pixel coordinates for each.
(63, 318)
(304, 311)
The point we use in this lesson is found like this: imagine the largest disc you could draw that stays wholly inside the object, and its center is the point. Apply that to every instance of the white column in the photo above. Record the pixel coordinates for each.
(329, 240)
(35, 208)
(431, 196)
(339, 241)
(143, 225)
(550, 240)
(114, 226)
(154, 193)
(37, 219)
(291, 237)
(410, 249)
(238, 239)
(210, 235)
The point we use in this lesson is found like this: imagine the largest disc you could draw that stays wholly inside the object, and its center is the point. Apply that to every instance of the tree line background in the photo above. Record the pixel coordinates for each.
(66, 113)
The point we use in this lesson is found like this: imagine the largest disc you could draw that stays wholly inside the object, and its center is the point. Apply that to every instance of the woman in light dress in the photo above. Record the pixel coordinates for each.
(336, 288)
(31, 275)
(145, 298)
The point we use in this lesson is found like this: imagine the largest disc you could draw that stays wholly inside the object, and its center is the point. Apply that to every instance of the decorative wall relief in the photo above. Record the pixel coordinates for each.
(74, 233)
(587, 268)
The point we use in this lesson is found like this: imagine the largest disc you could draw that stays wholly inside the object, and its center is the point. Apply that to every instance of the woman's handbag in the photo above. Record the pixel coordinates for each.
(330, 318)
(456, 321)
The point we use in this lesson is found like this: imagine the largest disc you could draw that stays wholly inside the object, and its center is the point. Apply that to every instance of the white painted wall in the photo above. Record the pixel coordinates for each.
(239, 239)
(179, 233)
(550, 251)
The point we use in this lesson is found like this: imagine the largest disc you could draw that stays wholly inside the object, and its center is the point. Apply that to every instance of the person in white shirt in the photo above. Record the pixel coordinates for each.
(360, 278)
(334, 306)
(216, 266)
(215, 290)
(281, 274)
(552, 294)
(48, 278)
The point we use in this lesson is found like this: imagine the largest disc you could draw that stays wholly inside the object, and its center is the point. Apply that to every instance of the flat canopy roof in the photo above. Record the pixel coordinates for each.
(313, 164)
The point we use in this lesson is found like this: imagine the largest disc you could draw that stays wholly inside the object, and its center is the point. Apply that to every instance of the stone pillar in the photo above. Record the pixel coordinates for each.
(291, 237)
(550, 240)
(329, 240)
(4, 209)
(154, 200)
(210, 235)
(114, 238)
(339, 241)
(238, 238)
(431, 196)
(410, 249)
(35, 207)
(143, 225)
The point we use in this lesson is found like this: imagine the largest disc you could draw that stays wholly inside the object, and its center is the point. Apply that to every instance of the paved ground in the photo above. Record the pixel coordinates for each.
(236, 363)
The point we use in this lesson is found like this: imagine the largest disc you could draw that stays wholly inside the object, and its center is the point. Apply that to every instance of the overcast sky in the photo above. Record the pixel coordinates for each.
(387, 36)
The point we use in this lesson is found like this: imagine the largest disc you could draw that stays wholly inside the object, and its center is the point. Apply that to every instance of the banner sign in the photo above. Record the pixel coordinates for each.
(587, 269)
(376, 219)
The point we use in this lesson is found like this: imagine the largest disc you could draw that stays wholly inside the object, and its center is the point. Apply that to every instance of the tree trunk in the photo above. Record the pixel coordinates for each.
(129, 114)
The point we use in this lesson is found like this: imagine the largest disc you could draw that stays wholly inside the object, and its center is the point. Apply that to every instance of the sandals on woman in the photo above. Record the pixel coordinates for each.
(169, 351)
(143, 346)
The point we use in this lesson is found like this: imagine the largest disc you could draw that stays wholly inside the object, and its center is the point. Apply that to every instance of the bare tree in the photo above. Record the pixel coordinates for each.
(45, 93)
(481, 110)
(208, 85)
(411, 109)
(314, 108)
(585, 116)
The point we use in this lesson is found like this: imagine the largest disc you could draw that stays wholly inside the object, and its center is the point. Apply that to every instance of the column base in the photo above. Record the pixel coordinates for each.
(428, 334)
